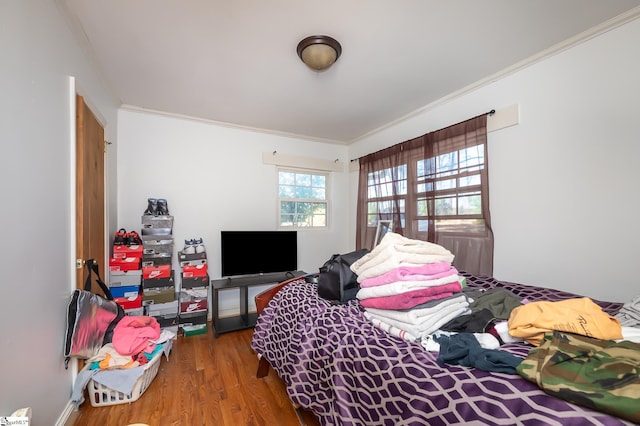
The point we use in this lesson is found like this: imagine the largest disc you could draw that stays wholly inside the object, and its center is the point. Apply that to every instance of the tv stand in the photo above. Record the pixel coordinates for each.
(242, 282)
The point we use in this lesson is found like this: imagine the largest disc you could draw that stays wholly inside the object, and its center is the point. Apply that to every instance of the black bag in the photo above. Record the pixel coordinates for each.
(336, 281)
(90, 318)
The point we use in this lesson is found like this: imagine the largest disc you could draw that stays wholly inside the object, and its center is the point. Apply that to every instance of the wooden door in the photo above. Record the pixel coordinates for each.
(90, 211)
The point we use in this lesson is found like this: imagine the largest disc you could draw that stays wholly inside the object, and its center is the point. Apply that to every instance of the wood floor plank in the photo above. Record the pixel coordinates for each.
(207, 381)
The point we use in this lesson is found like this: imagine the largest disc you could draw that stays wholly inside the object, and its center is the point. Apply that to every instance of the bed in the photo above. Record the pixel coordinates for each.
(338, 365)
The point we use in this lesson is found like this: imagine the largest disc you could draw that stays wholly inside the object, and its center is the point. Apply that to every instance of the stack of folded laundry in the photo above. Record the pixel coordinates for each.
(409, 287)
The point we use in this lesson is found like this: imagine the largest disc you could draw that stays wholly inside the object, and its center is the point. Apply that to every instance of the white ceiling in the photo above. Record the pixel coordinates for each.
(235, 61)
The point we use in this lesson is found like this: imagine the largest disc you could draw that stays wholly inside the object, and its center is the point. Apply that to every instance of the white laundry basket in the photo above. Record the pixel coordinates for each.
(101, 395)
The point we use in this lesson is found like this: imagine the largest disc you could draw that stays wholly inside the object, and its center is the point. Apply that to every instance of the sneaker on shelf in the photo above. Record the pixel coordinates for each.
(199, 246)
(189, 247)
(133, 239)
(120, 237)
(163, 208)
(152, 207)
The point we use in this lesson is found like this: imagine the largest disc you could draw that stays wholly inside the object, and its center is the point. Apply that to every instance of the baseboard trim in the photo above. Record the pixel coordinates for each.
(67, 418)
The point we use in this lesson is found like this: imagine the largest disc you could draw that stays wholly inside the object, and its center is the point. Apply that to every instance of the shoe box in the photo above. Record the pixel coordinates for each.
(193, 330)
(195, 318)
(193, 300)
(157, 225)
(132, 302)
(155, 295)
(194, 282)
(192, 271)
(182, 256)
(198, 262)
(165, 313)
(124, 251)
(125, 291)
(160, 271)
(128, 297)
(157, 244)
(135, 312)
(124, 263)
(125, 278)
(156, 259)
(164, 281)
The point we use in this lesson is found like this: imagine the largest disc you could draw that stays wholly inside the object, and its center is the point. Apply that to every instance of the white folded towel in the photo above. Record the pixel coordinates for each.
(395, 250)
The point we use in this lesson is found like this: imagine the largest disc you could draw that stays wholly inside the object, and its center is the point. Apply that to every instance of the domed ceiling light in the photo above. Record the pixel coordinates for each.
(319, 52)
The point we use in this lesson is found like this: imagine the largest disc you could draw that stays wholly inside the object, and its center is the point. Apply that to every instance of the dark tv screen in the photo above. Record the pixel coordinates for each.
(258, 252)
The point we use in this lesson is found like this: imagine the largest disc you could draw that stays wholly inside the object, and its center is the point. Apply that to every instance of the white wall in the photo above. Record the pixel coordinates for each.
(36, 170)
(214, 179)
(564, 195)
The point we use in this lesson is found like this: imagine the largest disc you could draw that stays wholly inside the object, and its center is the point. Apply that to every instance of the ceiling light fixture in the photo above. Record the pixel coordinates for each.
(319, 52)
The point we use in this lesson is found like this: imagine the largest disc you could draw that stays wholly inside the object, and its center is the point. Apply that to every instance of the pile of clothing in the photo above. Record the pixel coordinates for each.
(409, 287)
(629, 314)
(119, 364)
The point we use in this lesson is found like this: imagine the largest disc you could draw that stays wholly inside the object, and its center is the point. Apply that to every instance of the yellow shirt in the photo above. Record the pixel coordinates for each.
(578, 316)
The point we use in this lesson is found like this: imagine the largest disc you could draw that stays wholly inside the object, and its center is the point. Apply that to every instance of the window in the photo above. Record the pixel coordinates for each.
(432, 188)
(302, 199)
(451, 182)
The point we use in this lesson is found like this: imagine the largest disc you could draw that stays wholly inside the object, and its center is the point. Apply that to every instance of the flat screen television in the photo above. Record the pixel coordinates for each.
(258, 252)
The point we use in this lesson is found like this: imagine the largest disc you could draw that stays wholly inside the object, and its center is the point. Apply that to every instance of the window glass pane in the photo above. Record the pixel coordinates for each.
(287, 207)
(319, 220)
(470, 205)
(286, 219)
(445, 206)
(287, 191)
(447, 162)
(421, 207)
(318, 193)
(320, 208)
(318, 181)
(286, 178)
(472, 156)
(302, 192)
(303, 180)
(469, 180)
(445, 184)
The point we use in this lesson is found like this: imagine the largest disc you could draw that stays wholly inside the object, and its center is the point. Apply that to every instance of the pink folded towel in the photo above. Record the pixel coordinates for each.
(428, 271)
(413, 298)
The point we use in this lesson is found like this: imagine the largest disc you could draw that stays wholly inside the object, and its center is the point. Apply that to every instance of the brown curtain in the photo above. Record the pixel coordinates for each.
(434, 188)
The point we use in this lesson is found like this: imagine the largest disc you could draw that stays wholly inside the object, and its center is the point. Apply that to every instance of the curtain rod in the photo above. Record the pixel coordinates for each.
(493, 111)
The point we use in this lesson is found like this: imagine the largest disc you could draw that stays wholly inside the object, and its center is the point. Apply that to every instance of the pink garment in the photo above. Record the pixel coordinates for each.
(413, 298)
(132, 334)
(428, 271)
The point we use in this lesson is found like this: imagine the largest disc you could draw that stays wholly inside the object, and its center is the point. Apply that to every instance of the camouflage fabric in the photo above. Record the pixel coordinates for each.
(599, 374)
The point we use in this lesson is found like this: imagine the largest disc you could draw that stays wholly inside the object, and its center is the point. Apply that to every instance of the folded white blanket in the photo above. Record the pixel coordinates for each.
(404, 287)
(394, 331)
(419, 315)
(427, 327)
(395, 250)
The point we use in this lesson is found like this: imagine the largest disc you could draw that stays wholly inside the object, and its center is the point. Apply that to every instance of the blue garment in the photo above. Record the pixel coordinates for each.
(464, 349)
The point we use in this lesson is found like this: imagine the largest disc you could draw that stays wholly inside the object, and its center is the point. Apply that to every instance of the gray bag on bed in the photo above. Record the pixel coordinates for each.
(336, 281)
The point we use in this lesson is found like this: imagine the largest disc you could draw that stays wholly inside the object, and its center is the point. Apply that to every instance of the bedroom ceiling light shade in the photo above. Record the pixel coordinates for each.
(319, 52)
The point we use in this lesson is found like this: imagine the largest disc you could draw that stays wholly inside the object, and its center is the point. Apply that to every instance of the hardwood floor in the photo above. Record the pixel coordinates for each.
(207, 381)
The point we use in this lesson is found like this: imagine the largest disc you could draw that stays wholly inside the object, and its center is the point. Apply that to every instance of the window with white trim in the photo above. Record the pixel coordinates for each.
(303, 200)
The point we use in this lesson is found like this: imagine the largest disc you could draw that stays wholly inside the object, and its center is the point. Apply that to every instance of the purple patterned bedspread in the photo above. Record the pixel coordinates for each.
(337, 364)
